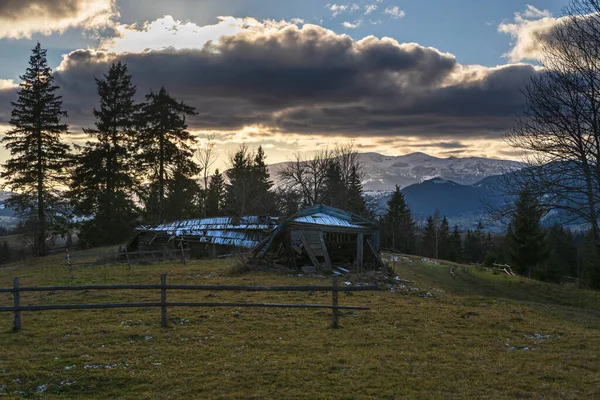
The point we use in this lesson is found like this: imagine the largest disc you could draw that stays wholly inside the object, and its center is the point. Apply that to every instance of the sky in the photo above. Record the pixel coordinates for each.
(395, 76)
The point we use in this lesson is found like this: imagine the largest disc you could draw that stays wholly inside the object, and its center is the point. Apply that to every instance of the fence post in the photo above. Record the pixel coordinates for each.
(127, 257)
(163, 301)
(182, 253)
(334, 302)
(16, 305)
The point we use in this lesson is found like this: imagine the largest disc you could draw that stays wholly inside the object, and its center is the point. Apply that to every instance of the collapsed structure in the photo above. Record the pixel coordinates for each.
(320, 236)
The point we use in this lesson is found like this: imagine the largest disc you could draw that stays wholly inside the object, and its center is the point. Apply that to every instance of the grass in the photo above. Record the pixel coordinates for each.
(478, 335)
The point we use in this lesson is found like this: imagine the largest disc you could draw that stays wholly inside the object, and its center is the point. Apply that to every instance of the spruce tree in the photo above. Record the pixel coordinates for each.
(165, 145)
(356, 201)
(398, 228)
(239, 189)
(429, 238)
(526, 239)
(183, 198)
(444, 239)
(455, 246)
(36, 169)
(335, 193)
(216, 195)
(262, 200)
(104, 179)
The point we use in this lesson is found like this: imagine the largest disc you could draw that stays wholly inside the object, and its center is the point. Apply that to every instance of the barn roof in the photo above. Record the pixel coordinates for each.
(324, 217)
(241, 232)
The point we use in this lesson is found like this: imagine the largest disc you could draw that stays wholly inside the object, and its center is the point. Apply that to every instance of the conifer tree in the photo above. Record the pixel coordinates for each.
(262, 199)
(455, 245)
(444, 239)
(183, 198)
(239, 189)
(562, 260)
(104, 178)
(36, 169)
(165, 145)
(526, 239)
(216, 195)
(334, 191)
(356, 201)
(398, 227)
(429, 238)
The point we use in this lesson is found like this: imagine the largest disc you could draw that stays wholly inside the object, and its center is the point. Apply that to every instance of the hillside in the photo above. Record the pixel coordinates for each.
(478, 335)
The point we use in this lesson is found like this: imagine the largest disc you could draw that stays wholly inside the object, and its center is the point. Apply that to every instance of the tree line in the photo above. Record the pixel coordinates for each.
(547, 253)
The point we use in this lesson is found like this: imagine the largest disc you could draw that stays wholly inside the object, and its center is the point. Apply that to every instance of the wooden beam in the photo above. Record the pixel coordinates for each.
(308, 250)
(377, 257)
(359, 251)
(325, 252)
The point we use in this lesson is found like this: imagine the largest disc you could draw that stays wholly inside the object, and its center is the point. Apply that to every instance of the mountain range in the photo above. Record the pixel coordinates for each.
(383, 173)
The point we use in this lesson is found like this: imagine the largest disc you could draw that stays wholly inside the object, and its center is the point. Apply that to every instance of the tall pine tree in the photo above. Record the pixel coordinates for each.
(165, 145)
(215, 198)
(36, 169)
(104, 179)
(398, 227)
(356, 201)
(526, 239)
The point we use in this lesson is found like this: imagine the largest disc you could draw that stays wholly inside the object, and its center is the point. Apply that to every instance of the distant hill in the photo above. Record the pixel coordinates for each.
(464, 205)
(382, 172)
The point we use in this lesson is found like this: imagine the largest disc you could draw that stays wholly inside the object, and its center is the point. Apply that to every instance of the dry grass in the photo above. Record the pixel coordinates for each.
(437, 337)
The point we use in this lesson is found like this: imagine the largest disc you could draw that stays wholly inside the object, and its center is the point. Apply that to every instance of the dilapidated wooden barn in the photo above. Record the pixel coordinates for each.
(320, 236)
(325, 238)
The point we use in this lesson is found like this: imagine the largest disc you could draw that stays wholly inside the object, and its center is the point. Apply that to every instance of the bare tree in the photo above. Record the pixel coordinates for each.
(308, 175)
(206, 157)
(559, 130)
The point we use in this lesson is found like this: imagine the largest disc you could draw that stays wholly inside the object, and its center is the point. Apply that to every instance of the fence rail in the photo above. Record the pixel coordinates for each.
(164, 304)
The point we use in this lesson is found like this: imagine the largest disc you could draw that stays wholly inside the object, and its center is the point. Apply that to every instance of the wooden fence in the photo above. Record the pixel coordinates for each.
(17, 308)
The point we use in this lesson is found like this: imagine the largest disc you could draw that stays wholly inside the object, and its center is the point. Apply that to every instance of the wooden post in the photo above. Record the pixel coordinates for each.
(334, 303)
(182, 253)
(127, 258)
(359, 252)
(163, 301)
(16, 305)
(325, 252)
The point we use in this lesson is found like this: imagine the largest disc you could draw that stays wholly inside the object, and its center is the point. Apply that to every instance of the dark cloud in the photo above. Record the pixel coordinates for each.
(51, 8)
(311, 80)
(21, 18)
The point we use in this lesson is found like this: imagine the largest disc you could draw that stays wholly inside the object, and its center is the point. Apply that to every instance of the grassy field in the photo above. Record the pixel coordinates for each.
(475, 335)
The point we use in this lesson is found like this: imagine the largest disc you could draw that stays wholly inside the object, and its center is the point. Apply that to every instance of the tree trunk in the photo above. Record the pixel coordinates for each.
(41, 231)
(161, 178)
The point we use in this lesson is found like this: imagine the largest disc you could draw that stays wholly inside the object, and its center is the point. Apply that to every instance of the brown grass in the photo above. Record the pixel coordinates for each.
(435, 337)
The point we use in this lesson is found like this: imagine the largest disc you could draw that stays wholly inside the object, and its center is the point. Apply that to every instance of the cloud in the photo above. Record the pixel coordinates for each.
(287, 82)
(337, 9)
(352, 25)
(22, 18)
(394, 12)
(530, 30)
(369, 8)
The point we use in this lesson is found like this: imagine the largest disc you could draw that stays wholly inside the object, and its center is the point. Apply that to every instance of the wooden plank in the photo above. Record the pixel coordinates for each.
(334, 303)
(359, 251)
(174, 304)
(377, 257)
(325, 252)
(163, 301)
(308, 250)
(16, 305)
